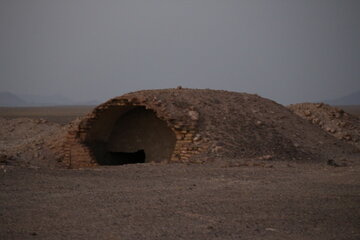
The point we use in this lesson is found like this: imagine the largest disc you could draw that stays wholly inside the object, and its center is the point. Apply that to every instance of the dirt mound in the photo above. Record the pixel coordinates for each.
(333, 120)
(196, 126)
(31, 142)
(211, 124)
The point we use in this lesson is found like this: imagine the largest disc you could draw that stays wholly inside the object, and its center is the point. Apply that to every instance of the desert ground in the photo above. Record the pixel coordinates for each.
(59, 114)
(233, 199)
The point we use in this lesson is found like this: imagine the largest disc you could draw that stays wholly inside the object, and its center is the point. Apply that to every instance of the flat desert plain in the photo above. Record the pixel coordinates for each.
(266, 199)
(59, 114)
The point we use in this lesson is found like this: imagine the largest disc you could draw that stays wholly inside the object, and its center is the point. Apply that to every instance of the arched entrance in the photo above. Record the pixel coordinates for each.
(131, 135)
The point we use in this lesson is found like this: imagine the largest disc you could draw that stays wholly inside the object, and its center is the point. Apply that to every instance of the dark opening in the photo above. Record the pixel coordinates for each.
(120, 158)
(122, 135)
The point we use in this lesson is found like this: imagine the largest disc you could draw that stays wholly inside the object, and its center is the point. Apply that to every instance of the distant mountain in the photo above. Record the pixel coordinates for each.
(351, 99)
(38, 100)
(88, 103)
(11, 100)
(8, 99)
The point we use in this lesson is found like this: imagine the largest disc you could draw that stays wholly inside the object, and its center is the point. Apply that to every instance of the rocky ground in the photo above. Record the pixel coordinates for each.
(23, 140)
(276, 200)
(31, 142)
(333, 120)
(228, 198)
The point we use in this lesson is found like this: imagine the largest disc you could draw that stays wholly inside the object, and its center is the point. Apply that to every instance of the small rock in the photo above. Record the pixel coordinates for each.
(4, 159)
(343, 124)
(332, 162)
(266, 157)
(158, 103)
(307, 113)
(197, 138)
(194, 115)
(216, 149)
(271, 229)
(319, 105)
(316, 121)
(347, 137)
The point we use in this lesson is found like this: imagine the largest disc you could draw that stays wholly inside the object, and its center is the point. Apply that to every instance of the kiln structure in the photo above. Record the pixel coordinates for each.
(182, 125)
(132, 129)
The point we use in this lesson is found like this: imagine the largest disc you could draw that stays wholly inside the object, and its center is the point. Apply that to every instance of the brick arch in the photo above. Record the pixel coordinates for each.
(136, 129)
(108, 126)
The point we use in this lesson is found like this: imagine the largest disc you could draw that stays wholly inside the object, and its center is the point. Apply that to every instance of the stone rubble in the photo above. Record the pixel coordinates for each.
(333, 120)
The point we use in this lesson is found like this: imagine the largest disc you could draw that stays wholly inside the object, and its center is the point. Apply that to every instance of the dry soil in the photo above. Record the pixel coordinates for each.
(275, 200)
(225, 199)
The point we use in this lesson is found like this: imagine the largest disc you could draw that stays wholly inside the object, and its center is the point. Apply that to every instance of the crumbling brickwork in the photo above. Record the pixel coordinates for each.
(78, 151)
(200, 125)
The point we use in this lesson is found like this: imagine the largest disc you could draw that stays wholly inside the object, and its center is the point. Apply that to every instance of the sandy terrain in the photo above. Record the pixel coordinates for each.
(227, 199)
(178, 201)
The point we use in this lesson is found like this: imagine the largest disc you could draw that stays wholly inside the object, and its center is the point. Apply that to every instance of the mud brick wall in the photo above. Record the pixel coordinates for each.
(79, 151)
(197, 125)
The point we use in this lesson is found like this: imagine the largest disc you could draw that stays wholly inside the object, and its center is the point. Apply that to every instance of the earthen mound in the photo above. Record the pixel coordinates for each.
(30, 142)
(196, 125)
(333, 120)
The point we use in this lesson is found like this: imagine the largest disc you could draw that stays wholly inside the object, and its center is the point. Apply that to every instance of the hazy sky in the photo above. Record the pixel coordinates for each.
(286, 50)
